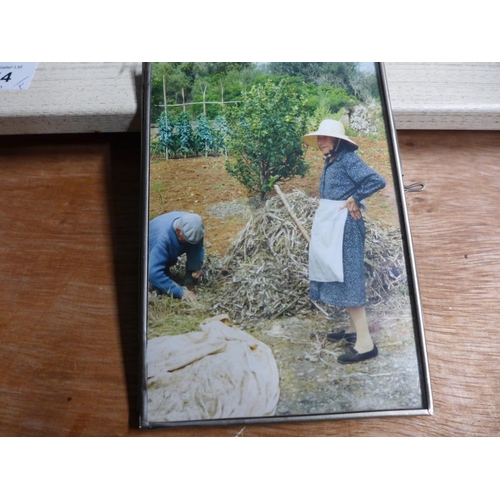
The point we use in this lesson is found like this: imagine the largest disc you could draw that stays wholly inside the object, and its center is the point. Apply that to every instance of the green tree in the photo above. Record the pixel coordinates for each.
(226, 67)
(346, 75)
(266, 132)
(307, 71)
(175, 81)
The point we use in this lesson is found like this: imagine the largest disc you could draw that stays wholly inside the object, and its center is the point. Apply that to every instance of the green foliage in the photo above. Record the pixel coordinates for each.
(166, 133)
(329, 102)
(229, 80)
(181, 138)
(192, 77)
(175, 80)
(328, 89)
(185, 144)
(350, 131)
(345, 75)
(308, 71)
(336, 98)
(176, 135)
(220, 134)
(204, 140)
(266, 136)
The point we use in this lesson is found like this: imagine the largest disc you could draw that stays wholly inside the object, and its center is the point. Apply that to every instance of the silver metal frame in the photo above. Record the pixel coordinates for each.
(427, 408)
(144, 257)
(407, 240)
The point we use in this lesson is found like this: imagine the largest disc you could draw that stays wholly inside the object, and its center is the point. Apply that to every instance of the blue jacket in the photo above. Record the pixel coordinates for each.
(164, 249)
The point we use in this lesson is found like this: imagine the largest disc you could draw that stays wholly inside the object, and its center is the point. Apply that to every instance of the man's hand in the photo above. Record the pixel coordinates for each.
(197, 274)
(189, 296)
(353, 208)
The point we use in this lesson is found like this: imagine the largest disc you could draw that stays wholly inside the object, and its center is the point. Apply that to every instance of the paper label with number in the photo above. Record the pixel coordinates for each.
(16, 75)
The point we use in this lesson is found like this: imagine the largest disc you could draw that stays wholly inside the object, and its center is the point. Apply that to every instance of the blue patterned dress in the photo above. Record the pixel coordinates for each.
(347, 175)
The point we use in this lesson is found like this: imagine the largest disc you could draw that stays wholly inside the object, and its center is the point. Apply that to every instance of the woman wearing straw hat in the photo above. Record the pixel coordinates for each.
(336, 252)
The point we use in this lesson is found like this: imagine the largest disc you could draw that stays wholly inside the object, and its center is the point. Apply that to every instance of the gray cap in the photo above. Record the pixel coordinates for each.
(191, 226)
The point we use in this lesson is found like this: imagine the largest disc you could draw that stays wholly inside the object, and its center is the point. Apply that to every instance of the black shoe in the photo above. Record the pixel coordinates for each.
(353, 356)
(350, 338)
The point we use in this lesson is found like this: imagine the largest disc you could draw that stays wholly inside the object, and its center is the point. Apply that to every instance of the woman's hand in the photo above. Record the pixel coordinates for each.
(197, 274)
(353, 208)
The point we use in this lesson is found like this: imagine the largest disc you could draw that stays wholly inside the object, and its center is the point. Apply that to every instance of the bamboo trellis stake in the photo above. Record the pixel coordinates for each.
(165, 105)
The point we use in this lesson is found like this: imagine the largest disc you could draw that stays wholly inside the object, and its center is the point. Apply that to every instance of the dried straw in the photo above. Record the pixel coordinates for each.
(265, 272)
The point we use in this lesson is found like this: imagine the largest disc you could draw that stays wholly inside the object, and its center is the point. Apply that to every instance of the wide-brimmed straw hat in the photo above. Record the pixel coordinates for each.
(330, 128)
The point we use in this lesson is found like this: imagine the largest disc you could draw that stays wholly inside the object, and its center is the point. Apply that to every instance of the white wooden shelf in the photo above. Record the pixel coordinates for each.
(75, 98)
(105, 97)
(448, 96)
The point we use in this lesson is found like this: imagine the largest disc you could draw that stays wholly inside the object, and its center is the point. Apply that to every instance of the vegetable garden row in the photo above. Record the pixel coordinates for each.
(179, 137)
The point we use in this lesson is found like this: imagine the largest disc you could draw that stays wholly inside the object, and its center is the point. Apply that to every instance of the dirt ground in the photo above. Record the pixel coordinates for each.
(311, 380)
(197, 184)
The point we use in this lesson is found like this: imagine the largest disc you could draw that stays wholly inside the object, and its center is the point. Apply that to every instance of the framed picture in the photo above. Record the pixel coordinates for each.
(278, 276)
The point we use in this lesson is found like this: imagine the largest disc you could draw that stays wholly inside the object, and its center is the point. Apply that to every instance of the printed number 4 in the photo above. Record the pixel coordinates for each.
(7, 77)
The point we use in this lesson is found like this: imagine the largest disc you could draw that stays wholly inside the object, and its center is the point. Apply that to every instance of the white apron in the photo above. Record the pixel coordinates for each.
(327, 239)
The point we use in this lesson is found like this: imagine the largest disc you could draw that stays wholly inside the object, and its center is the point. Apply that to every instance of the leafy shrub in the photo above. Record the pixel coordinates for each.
(204, 139)
(220, 132)
(166, 133)
(184, 139)
(266, 137)
(180, 138)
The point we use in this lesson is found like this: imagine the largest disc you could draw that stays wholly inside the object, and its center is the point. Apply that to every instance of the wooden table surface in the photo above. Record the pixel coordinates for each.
(69, 296)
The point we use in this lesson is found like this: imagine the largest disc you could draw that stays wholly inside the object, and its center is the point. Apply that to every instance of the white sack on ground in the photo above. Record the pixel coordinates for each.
(220, 372)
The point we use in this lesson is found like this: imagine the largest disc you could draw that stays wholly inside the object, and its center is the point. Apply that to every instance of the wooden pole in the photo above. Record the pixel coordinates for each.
(164, 96)
(290, 211)
(165, 107)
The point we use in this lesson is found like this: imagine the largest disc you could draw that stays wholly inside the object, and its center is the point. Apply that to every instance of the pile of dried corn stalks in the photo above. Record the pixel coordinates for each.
(265, 272)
